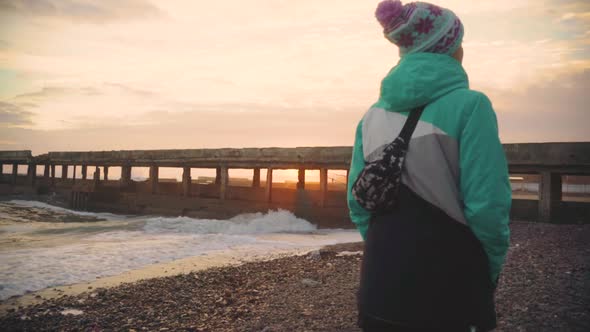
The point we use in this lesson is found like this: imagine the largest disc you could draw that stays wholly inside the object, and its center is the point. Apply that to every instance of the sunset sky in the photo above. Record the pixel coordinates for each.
(139, 74)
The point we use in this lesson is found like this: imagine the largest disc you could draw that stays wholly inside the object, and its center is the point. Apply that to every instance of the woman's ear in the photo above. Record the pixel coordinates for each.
(459, 54)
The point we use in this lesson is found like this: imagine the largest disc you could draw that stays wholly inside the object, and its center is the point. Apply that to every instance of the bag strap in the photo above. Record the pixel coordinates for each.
(411, 123)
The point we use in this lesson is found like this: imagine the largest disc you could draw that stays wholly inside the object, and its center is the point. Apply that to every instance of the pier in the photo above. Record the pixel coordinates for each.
(323, 204)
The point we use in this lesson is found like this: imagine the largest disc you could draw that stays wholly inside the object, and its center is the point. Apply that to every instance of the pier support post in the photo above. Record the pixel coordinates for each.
(84, 172)
(256, 179)
(1, 171)
(46, 173)
(218, 175)
(52, 175)
(125, 176)
(154, 179)
(323, 186)
(64, 172)
(31, 174)
(268, 191)
(106, 173)
(78, 200)
(186, 181)
(74, 174)
(96, 176)
(224, 179)
(86, 199)
(14, 173)
(301, 179)
(549, 196)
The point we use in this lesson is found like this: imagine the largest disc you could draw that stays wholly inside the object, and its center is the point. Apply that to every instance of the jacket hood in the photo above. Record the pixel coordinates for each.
(419, 79)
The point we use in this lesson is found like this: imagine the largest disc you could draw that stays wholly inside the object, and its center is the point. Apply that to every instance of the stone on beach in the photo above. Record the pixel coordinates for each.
(535, 293)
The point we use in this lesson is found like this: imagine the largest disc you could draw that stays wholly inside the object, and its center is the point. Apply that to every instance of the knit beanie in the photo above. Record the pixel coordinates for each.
(420, 27)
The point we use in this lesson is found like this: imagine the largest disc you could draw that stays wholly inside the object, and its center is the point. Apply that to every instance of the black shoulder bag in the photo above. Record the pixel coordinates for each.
(377, 186)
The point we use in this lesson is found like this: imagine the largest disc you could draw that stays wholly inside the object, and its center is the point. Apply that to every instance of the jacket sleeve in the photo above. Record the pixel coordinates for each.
(359, 216)
(485, 184)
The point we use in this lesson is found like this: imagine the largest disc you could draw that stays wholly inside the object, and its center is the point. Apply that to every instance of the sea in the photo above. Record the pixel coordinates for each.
(43, 246)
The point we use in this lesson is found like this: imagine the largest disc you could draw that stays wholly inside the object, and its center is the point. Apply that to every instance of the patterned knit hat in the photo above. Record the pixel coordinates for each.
(420, 27)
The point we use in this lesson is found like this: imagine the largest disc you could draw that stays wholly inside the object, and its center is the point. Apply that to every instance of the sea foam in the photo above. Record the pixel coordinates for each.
(254, 223)
(82, 252)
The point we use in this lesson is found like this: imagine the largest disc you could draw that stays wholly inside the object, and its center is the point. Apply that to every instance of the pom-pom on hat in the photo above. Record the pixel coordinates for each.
(420, 27)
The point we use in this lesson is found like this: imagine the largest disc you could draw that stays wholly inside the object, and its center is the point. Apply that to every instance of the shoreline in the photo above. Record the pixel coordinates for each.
(55, 200)
(231, 256)
(543, 287)
(220, 259)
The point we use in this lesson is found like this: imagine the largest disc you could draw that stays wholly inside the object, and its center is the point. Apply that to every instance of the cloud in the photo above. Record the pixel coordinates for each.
(88, 11)
(554, 110)
(59, 107)
(273, 68)
(52, 93)
(190, 130)
(130, 90)
(4, 45)
(114, 104)
(516, 65)
(7, 143)
(575, 17)
(45, 92)
(14, 115)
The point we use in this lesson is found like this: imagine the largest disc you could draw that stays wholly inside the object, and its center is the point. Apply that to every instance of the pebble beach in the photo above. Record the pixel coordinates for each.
(545, 286)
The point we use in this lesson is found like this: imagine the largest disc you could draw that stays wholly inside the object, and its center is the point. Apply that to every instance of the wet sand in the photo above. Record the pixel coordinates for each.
(239, 255)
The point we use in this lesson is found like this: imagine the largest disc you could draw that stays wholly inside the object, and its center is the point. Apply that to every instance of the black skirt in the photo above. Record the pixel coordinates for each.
(423, 270)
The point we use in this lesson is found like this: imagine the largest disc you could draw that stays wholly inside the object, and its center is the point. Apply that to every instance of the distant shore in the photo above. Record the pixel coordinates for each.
(544, 287)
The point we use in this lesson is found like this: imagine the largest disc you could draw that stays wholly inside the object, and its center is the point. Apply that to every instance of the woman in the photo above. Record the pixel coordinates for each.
(433, 263)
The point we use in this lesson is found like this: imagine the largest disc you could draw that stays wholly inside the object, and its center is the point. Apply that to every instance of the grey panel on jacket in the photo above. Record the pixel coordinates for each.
(432, 171)
(432, 164)
(384, 127)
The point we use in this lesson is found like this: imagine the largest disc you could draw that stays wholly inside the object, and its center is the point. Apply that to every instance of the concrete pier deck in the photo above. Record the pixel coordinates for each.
(220, 199)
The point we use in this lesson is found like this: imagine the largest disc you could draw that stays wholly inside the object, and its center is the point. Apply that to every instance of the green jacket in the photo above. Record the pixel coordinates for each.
(455, 160)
